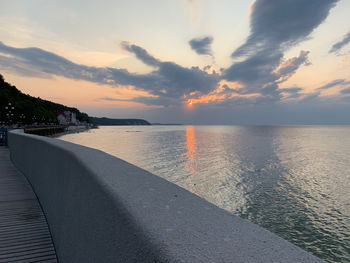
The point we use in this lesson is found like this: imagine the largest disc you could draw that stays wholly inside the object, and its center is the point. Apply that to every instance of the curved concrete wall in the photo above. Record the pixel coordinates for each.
(103, 209)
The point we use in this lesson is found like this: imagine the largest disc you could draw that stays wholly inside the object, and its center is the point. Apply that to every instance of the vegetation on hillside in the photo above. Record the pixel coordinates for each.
(111, 122)
(16, 107)
(27, 109)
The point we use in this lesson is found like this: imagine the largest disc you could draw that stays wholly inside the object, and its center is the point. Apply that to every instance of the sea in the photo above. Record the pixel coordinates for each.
(292, 180)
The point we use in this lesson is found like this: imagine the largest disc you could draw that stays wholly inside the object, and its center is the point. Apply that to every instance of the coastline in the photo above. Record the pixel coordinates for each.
(71, 130)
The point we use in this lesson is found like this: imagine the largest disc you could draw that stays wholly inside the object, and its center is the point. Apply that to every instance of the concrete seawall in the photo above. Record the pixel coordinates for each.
(103, 209)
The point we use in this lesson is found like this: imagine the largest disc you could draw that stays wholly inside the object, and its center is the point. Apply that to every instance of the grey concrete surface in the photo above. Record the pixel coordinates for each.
(24, 234)
(103, 209)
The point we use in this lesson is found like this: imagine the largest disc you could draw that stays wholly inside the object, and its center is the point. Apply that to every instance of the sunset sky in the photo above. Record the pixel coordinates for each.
(183, 61)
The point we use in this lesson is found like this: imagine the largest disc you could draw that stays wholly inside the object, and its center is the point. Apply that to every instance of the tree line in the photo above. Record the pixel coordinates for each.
(17, 107)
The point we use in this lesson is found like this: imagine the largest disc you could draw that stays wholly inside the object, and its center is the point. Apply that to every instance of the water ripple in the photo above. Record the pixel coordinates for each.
(294, 181)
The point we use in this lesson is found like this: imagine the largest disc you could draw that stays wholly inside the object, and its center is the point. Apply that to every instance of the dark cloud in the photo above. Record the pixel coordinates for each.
(169, 82)
(311, 97)
(263, 71)
(36, 62)
(277, 24)
(292, 93)
(40, 63)
(141, 54)
(345, 91)
(173, 81)
(11, 64)
(292, 90)
(113, 99)
(339, 45)
(256, 69)
(334, 83)
(289, 67)
(202, 45)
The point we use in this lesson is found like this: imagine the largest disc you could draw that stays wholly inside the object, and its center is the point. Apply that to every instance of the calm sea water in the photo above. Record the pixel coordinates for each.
(294, 181)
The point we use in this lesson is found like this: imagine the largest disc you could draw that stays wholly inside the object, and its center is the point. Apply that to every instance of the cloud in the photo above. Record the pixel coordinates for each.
(292, 93)
(289, 67)
(255, 69)
(345, 91)
(292, 90)
(10, 64)
(263, 72)
(168, 83)
(114, 99)
(141, 54)
(339, 45)
(311, 97)
(173, 81)
(277, 24)
(202, 45)
(334, 83)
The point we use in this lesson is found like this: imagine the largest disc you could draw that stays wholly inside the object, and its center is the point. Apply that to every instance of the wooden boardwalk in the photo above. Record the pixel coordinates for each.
(24, 234)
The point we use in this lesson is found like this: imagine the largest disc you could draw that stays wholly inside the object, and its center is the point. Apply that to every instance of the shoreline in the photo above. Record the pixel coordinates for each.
(71, 130)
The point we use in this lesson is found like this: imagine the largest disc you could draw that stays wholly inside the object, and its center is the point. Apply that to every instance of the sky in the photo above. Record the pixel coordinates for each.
(183, 61)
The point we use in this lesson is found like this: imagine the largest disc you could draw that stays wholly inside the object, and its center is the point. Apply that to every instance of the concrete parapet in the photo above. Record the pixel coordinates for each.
(103, 209)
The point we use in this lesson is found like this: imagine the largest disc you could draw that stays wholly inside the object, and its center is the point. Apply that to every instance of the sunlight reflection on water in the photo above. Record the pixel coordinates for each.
(294, 181)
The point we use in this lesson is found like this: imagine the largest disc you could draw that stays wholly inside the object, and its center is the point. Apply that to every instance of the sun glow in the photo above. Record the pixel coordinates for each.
(191, 149)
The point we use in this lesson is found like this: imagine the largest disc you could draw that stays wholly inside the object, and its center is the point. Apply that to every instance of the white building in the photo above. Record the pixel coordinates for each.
(66, 118)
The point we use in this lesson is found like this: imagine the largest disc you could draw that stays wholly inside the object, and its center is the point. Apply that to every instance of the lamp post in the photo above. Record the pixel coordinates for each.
(9, 112)
(22, 118)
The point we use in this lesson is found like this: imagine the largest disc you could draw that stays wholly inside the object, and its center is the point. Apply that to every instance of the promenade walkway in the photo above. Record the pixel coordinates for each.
(24, 234)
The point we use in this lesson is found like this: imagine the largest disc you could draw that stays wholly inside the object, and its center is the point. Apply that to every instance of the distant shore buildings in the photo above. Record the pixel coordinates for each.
(66, 118)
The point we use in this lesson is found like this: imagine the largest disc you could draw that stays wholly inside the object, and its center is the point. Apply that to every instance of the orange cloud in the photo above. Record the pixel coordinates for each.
(221, 93)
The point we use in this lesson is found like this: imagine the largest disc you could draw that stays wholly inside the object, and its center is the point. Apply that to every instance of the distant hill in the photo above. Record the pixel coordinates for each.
(112, 122)
(28, 109)
(166, 124)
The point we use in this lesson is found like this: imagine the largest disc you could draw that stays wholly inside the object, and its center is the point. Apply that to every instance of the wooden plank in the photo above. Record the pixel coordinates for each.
(24, 233)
